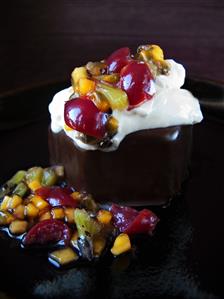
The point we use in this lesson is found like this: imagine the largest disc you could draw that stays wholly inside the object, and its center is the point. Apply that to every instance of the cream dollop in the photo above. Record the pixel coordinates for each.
(170, 106)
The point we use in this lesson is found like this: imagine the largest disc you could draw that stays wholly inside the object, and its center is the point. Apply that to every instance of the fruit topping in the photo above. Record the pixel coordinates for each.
(121, 244)
(96, 68)
(82, 115)
(71, 221)
(85, 86)
(48, 232)
(77, 74)
(130, 221)
(116, 97)
(137, 81)
(57, 196)
(118, 59)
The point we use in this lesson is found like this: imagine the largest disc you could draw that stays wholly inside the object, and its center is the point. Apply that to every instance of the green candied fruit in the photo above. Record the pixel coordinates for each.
(21, 189)
(34, 174)
(10, 184)
(86, 226)
(116, 97)
(49, 178)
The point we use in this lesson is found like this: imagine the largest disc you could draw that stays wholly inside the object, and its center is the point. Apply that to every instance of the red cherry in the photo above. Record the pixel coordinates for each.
(57, 196)
(136, 80)
(48, 231)
(118, 59)
(82, 115)
(130, 221)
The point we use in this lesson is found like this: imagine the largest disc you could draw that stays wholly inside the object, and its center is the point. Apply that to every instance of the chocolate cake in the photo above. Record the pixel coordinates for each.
(123, 130)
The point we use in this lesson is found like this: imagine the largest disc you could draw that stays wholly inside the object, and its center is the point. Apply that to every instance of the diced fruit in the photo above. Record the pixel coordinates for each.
(148, 52)
(6, 188)
(123, 216)
(121, 244)
(34, 174)
(118, 59)
(85, 86)
(69, 215)
(77, 74)
(137, 81)
(34, 185)
(49, 178)
(99, 244)
(14, 202)
(144, 223)
(112, 125)
(116, 97)
(82, 115)
(39, 202)
(104, 216)
(48, 231)
(19, 212)
(101, 102)
(5, 203)
(6, 218)
(131, 221)
(31, 210)
(86, 225)
(21, 189)
(87, 202)
(76, 195)
(45, 216)
(18, 227)
(57, 213)
(64, 256)
(96, 68)
(112, 78)
(57, 196)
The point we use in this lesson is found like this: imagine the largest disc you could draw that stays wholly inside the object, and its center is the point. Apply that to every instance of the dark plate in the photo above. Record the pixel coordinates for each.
(185, 257)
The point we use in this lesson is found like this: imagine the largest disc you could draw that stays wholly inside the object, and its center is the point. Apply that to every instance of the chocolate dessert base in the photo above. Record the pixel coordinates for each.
(148, 167)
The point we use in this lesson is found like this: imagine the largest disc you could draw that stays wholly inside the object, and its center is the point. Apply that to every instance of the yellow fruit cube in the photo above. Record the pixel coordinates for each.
(63, 256)
(57, 213)
(69, 215)
(39, 202)
(6, 218)
(5, 203)
(85, 86)
(19, 212)
(121, 244)
(104, 216)
(45, 216)
(18, 227)
(31, 210)
(34, 185)
(77, 74)
(14, 202)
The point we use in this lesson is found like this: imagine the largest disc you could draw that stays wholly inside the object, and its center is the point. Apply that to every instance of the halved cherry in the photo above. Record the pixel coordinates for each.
(118, 59)
(57, 196)
(130, 221)
(45, 232)
(137, 81)
(82, 115)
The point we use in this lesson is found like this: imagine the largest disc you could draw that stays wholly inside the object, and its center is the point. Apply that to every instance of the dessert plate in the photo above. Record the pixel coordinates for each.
(184, 258)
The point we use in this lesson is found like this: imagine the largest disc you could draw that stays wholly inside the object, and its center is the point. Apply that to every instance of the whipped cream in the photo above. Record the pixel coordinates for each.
(170, 106)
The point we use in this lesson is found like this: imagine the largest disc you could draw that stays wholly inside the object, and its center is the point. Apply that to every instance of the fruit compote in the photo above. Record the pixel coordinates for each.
(43, 212)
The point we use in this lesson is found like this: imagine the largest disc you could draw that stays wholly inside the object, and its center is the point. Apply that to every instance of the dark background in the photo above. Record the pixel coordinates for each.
(42, 41)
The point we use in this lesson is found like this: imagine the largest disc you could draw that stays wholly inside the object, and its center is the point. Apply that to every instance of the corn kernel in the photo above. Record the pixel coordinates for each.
(104, 216)
(18, 227)
(39, 202)
(34, 185)
(45, 216)
(63, 256)
(85, 86)
(69, 215)
(57, 213)
(19, 212)
(31, 210)
(99, 244)
(6, 218)
(5, 202)
(121, 244)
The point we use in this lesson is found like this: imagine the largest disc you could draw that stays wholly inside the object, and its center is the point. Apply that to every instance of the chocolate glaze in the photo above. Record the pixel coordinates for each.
(148, 168)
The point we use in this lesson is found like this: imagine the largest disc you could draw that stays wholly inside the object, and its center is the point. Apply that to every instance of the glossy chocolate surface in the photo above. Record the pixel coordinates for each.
(148, 167)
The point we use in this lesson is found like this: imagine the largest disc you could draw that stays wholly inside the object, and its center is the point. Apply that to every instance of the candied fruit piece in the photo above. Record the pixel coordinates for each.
(63, 256)
(121, 244)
